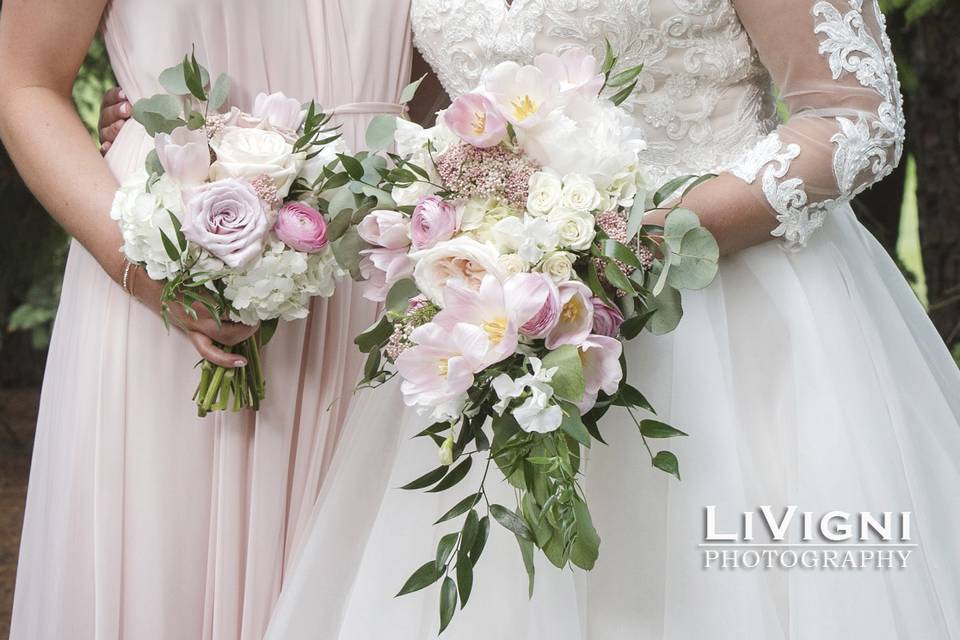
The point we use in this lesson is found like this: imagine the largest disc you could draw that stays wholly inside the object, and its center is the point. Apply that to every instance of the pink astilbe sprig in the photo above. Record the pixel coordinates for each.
(471, 172)
(420, 312)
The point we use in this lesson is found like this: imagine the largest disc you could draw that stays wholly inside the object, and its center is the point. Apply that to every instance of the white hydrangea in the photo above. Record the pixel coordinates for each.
(280, 284)
(141, 215)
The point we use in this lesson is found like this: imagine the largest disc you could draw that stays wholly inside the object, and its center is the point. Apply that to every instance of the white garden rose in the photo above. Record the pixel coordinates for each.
(545, 190)
(462, 259)
(579, 193)
(410, 196)
(576, 230)
(512, 264)
(558, 265)
(248, 153)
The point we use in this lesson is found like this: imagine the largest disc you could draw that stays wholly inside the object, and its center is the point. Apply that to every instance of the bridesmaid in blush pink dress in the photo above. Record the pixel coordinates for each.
(144, 522)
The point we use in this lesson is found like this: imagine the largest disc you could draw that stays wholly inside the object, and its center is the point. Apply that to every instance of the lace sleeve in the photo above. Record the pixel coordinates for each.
(831, 60)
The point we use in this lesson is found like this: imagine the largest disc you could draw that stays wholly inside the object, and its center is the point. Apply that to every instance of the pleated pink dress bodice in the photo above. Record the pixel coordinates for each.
(144, 522)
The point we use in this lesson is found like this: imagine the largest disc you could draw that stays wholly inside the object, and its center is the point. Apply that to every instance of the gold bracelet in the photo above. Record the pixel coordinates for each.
(126, 283)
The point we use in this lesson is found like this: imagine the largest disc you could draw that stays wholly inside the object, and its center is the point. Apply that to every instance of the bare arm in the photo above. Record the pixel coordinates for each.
(42, 45)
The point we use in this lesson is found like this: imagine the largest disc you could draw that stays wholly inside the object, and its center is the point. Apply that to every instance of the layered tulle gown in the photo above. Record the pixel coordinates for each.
(144, 522)
(807, 374)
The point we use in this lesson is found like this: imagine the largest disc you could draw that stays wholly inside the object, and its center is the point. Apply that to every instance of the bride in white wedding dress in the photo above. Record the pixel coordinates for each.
(807, 374)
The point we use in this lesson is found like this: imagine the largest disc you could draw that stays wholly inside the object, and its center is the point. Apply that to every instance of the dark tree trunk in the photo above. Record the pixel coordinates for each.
(935, 113)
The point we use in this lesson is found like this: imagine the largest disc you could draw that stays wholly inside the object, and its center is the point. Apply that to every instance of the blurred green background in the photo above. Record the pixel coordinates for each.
(915, 213)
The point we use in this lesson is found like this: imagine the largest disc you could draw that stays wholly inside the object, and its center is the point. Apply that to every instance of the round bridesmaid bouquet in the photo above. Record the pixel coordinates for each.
(508, 244)
(228, 213)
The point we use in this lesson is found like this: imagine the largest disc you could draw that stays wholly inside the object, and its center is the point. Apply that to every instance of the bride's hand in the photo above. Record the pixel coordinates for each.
(115, 110)
(204, 331)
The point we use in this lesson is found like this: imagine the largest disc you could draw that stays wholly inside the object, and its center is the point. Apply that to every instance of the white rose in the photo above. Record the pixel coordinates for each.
(545, 190)
(512, 264)
(410, 196)
(558, 265)
(462, 259)
(579, 193)
(248, 153)
(529, 237)
(577, 230)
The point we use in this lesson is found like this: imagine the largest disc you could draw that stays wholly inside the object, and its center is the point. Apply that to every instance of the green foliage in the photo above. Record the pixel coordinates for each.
(912, 9)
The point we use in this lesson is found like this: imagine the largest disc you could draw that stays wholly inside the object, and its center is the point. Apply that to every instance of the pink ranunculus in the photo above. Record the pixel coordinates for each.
(600, 356)
(277, 109)
(574, 70)
(576, 315)
(228, 219)
(476, 121)
(382, 268)
(301, 227)
(184, 155)
(606, 318)
(434, 220)
(540, 295)
(387, 229)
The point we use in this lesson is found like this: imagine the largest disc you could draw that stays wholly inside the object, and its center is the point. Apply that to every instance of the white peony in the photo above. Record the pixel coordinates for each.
(558, 265)
(141, 215)
(461, 259)
(545, 191)
(528, 237)
(248, 153)
(576, 230)
(579, 193)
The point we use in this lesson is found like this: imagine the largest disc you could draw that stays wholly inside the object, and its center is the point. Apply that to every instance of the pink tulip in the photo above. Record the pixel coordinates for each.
(606, 318)
(388, 229)
(184, 155)
(381, 269)
(539, 293)
(433, 220)
(576, 315)
(476, 121)
(279, 110)
(301, 227)
(600, 356)
(575, 70)
(440, 367)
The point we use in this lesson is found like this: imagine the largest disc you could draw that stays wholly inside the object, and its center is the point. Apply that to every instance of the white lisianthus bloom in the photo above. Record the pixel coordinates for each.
(579, 193)
(247, 153)
(558, 265)
(576, 229)
(141, 216)
(513, 264)
(461, 259)
(545, 190)
(528, 237)
(536, 413)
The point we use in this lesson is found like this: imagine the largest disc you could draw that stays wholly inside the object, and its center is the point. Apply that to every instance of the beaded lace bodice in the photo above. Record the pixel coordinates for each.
(705, 99)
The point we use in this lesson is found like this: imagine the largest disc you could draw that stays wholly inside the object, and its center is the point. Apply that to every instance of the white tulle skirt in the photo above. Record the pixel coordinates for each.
(811, 379)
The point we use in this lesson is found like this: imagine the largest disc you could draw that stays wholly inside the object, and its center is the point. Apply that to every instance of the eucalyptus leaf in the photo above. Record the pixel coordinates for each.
(152, 164)
(220, 91)
(669, 312)
(699, 261)
(375, 336)
(380, 132)
(399, 296)
(343, 199)
(171, 79)
(347, 252)
(410, 90)
(568, 382)
(678, 223)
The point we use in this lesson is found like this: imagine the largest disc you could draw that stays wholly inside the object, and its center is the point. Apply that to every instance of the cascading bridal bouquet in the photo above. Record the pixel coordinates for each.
(227, 213)
(513, 266)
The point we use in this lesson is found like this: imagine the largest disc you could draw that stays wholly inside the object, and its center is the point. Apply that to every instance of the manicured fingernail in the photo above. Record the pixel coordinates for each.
(239, 363)
(125, 109)
(122, 95)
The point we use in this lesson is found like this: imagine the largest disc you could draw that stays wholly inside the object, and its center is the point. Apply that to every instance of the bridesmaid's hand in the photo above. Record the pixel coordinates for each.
(115, 110)
(204, 331)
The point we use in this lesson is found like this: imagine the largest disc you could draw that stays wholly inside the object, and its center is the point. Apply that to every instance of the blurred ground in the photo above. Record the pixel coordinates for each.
(18, 413)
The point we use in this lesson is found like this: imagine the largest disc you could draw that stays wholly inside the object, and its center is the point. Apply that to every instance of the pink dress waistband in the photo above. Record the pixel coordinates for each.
(369, 109)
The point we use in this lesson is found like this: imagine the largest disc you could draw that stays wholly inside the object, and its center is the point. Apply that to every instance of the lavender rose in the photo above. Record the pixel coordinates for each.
(433, 220)
(301, 227)
(228, 219)
(606, 318)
